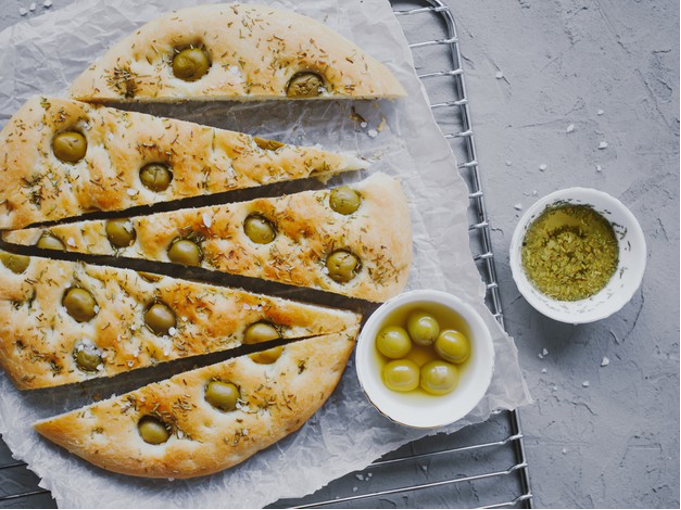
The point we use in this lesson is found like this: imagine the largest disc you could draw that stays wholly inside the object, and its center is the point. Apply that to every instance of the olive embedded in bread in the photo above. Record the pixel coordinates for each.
(267, 357)
(344, 200)
(152, 430)
(15, 263)
(260, 332)
(266, 144)
(185, 252)
(156, 176)
(69, 146)
(50, 242)
(160, 318)
(305, 84)
(259, 230)
(342, 266)
(88, 357)
(222, 395)
(80, 304)
(120, 232)
(191, 64)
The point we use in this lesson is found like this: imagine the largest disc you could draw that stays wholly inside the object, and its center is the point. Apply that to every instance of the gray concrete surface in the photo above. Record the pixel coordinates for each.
(610, 69)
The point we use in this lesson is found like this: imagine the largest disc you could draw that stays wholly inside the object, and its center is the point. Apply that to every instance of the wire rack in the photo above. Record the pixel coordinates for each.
(481, 466)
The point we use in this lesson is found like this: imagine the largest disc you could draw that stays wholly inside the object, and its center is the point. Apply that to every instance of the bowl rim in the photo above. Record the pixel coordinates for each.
(443, 298)
(632, 226)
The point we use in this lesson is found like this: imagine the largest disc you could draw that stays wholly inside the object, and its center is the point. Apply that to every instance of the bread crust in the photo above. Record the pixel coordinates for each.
(277, 399)
(254, 52)
(38, 336)
(308, 230)
(38, 187)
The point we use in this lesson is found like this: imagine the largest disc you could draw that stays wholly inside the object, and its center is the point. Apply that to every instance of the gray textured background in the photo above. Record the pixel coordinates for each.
(611, 69)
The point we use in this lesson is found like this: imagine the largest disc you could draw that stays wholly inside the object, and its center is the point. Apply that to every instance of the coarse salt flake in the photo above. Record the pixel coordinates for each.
(599, 168)
(207, 220)
(32, 7)
(499, 75)
(543, 370)
(545, 351)
(605, 362)
(542, 167)
(585, 384)
(603, 145)
(600, 112)
(172, 331)
(47, 4)
(518, 207)
(22, 11)
(363, 125)
(570, 128)
(131, 192)
(71, 241)
(372, 133)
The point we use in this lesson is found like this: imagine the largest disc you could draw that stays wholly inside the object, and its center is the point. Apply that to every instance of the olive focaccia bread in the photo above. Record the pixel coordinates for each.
(208, 419)
(237, 52)
(352, 240)
(65, 322)
(61, 158)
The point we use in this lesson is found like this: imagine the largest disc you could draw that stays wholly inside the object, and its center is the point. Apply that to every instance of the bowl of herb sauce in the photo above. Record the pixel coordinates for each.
(578, 255)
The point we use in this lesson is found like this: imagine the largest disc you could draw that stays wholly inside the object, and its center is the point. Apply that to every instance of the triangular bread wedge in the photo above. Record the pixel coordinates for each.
(194, 160)
(200, 439)
(43, 332)
(306, 230)
(241, 52)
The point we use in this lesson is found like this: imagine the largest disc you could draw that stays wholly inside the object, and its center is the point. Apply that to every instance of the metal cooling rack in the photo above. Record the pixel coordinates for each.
(481, 466)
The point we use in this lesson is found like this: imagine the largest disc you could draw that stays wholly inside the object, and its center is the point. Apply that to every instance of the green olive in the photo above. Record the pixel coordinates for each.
(401, 375)
(267, 357)
(191, 64)
(185, 252)
(260, 332)
(453, 346)
(344, 200)
(222, 395)
(120, 232)
(150, 277)
(305, 84)
(393, 342)
(88, 357)
(342, 266)
(160, 318)
(438, 377)
(49, 242)
(15, 263)
(69, 146)
(156, 176)
(266, 144)
(259, 230)
(152, 430)
(423, 327)
(80, 304)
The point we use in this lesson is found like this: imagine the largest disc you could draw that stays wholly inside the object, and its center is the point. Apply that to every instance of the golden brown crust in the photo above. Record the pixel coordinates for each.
(38, 187)
(38, 336)
(276, 400)
(308, 230)
(254, 50)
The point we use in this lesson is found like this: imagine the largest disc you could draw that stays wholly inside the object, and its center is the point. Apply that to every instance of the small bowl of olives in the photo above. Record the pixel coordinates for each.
(425, 359)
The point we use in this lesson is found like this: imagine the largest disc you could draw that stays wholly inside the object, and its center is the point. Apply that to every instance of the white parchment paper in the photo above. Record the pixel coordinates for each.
(43, 55)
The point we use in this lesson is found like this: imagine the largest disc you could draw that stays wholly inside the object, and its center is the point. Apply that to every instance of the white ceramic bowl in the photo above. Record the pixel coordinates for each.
(621, 287)
(419, 410)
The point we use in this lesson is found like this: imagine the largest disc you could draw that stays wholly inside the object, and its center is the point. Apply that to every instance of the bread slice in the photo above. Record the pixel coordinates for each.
(38, 186)
(254, 52)
(40, 339)
(275, 400)
(307, 232)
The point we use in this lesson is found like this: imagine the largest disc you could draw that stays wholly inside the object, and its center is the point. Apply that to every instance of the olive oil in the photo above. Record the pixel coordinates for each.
(570, 252)
(421, 355)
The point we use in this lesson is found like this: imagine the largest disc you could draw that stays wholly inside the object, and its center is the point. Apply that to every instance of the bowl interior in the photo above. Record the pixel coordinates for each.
(623, 284)
(419, 409)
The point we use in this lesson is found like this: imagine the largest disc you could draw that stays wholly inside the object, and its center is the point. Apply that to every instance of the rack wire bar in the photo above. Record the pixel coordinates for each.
(463, 143)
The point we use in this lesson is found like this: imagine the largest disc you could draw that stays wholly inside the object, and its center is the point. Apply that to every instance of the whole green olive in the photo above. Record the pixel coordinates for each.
(191, 64)
(185, 252)
(69, 146)
(267, 357)
(423, 327)
(342, 266)
(438, 377)
(88, 357)
(266, 144)
(453, 346)
(393, 342)
(80, 304)
(305, 84)
(260, 332)
(344, 200)
(156, 176)
(401, 375)
(259, 230)
(160, 318)
(15, 263)
(222, 395)
(49, 242)
(120, 232)
(152, 430)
